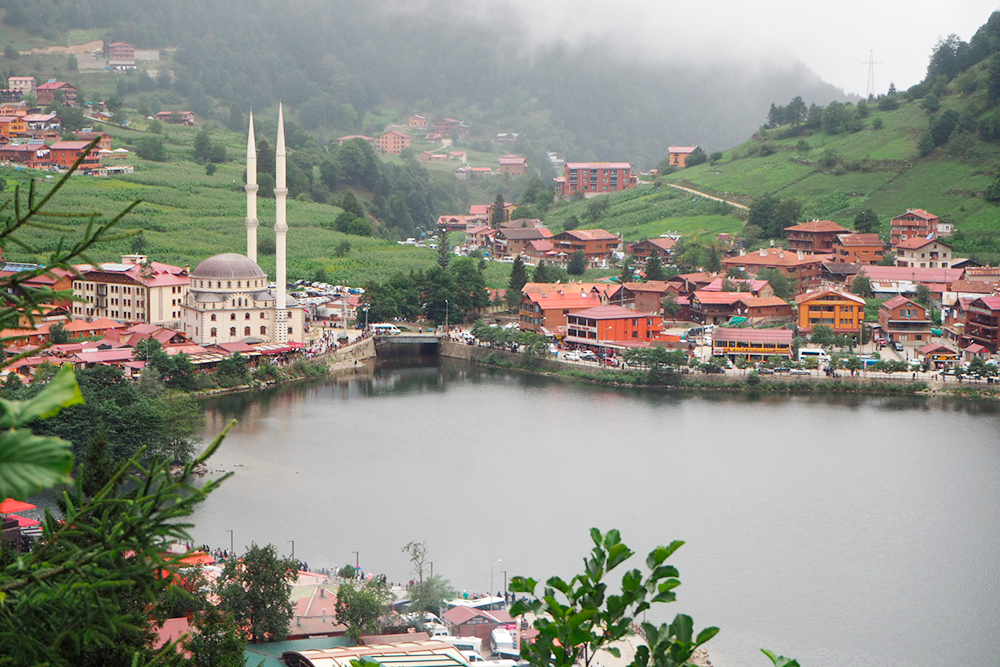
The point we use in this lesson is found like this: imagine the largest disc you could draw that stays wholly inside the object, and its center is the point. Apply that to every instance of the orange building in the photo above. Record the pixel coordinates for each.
(915, 222)
(841, 311)
(592, 178)
(417, 121)
(12, 126)
(65, 153)
(546, 312)
(814, 236)
(513, 165)
(612, 324)
(392, 142)
(858, 249)
(596, 244)
(798, 266)
(678, 155)
(904, 320)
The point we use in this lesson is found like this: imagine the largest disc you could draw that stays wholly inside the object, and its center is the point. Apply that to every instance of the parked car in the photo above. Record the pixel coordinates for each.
(766, 371)
(782, 370)
(571, 356)
(896, 345)
(587, 355)
(798, 371)
(712, 368)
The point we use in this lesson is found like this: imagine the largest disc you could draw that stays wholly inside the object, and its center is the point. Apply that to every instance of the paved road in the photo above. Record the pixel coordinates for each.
(708, 196)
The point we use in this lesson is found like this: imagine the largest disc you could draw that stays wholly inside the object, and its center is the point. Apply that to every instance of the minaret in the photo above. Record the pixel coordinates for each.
(251, 190)
(280, 230)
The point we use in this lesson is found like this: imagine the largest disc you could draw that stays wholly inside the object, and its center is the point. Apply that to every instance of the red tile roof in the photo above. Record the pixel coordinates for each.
(709, 297)
(896, 302)
(914, 243)
(590, 234)
(610, 313)
(753, 335)
(681, 149)
(763, 301)
(919, 212)
(882, 273)
(810, 296)
(817, 226)
(860, 240)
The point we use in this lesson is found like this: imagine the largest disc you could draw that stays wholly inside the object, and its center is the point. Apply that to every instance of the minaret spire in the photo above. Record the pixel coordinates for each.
(280, 230)
(251, 190)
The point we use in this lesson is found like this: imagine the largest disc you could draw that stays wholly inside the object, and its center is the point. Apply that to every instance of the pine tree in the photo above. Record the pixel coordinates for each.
(444, 252)
(498, 214)
(654, 268)
(577, 264)
(518, 278)
(626, 276)
(866, 222)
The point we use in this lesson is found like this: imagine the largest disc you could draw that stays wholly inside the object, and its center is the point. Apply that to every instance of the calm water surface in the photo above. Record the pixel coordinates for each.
(838, 530)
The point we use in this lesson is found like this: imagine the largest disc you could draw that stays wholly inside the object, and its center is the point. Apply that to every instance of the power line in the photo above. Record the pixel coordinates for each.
(871, 74)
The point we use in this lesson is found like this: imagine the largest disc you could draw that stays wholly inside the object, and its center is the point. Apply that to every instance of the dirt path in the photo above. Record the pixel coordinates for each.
(77, 49)
(708, 196)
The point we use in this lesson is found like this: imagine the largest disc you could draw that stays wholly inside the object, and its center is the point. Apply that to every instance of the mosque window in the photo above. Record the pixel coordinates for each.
(239, 284)
(246, 331)
(215, 332)
(232, 316)
(213, 317)
(229, 283)
(262, 316)
(247, 317)
(263, 331)
(218, 284)
(232, 331)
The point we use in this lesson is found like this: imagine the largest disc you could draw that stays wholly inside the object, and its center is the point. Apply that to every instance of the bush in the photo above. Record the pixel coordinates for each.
(151, 148)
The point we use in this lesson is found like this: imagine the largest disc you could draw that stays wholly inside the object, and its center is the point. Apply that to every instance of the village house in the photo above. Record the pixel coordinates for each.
(755, 344)
(842, 311)
(678, 155)
(121, 56)
(392, 142)
(797, 266)
(597, 245)
(417, 121)
(937, 355)
(839, 273)
(512, 165)
(39, 122)
(987, 273)
(511, 241)
(904, 320)
(758, 288)
(542, 250)
(12, 126)
(601, 325)
(858, 249)
(26, 84)
(486, 212)
(648, 296)
(915, 222)
(687, 283)
(446, 127)
(30, 155)
(929, 252)
(480, 236)
(103, 139)
(506, 137)
(763, 309)
(66, 153)
(10, 95)
(980, 323)
(892, 280)
(594, 178)
(545, 312)
(815, 236)
(136, 290)
(714, 307)
(47, 92)
(176, 117)
(661, 247)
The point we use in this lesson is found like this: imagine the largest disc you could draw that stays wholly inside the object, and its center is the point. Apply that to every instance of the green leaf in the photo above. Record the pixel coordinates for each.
(30, 463)
(618, 554)
(780, 660)
(613, 650)
(682, 628)
(62, 391)
(705, 635)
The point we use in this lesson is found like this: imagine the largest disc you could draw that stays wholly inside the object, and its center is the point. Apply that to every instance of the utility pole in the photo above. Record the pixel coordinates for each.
(871, 74)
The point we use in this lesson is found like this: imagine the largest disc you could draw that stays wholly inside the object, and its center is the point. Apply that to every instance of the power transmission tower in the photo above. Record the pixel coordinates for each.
(871, 74)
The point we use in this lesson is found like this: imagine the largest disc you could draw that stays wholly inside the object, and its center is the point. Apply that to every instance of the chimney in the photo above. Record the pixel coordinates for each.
(801, 256)
(298, 620)
(781, 254)
(743, 252)
(324, 615)
(763, 252)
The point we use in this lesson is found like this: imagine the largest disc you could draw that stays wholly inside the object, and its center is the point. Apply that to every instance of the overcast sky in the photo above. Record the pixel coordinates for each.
(831, 38)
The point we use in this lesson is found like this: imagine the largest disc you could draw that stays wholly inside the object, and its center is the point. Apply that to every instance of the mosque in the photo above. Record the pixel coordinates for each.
(228, 300)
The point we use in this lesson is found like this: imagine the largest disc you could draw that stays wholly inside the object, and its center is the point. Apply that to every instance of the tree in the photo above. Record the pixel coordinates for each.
(429, 595)
(697, 156)
(58, 334)
(626, 275)
(498, 212)
(444, 252)
(359, 606)
(866, 222)
(518, 279)
(822, 335)
(923, 295)
(216, 641)
(577, 265)
(343, 249)
(772, 214)
(862, 286)
(151, 148)
(596, 208)
(654, 268)
(575, 619)
(255, 590)
(781, 284)
(888, 259)
(670, 305)
(418, 556)
(992, 193)
(10, 53)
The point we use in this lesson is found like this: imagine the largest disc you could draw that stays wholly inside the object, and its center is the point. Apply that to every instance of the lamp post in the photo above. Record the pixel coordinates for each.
(446, 314)
(231, 549)
(357, 562)
(293, 548)
(499, 560)
(432, 569)
(504, 573)
(366, 318)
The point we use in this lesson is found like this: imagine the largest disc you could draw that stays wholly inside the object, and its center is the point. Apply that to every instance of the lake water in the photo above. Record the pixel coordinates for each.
(838, 530)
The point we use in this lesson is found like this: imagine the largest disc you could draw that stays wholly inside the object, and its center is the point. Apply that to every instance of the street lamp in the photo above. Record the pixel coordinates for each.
(432, 569)
(357, 562)
(232, 551)
(499, 560)
(446, 314)
(293, 548)
(504, 573)
(366, 317)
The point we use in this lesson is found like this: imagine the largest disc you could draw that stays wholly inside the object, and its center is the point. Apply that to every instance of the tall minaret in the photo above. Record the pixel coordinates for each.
(251, 190)
(280, 230)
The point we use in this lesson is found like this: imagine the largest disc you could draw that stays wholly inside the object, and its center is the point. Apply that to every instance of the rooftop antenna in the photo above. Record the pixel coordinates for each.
(871, 75)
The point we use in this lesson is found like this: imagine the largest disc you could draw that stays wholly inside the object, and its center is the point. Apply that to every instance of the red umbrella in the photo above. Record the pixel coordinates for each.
(10, 505)
(25, 522)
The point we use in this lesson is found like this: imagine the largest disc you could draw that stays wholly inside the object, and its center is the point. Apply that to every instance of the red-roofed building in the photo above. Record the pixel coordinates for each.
(755, 344)
(513, 165)
(981, 323)
(801, 267)
(136, 290)
(915, 222)
(46, 93)
(417, 121)
(546, 312)
(612, 324)
(181, 117)
(66, 153)
(596, 244)
(392, 142)
(764, 309)
(759, 288)
(904, 320)
(648, 296)
(661, 247)
(858, 249)
(938, 355)
(678, 155)
(841, 311)
(714, 307)
(923, 252)
(595, 178)
(815, 236)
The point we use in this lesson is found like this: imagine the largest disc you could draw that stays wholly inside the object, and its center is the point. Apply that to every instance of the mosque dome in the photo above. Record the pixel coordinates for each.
(229, 265)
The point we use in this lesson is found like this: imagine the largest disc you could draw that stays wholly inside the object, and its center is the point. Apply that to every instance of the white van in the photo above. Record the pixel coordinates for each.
(385, 329)
(817, 353)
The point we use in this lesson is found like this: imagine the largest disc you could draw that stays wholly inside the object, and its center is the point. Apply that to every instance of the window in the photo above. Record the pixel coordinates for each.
(232, 331)
(262, 315)
(289, 331)
(246, 331)
(263, 331)
(247, 316)
(232, 316)
(215, 332)
(213, 317)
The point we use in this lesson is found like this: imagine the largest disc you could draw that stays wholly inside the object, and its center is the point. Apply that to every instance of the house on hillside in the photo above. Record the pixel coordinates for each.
(121, 56)
(800, 267)
(904, 320)
(26, 84)
(858, 249)
(66, 153)
(916, 222)
(595, 178)
(513, 165)
(815, 236)
(46, 93)
(923, 252)
(842, 311)
(661, 247)
(416, 121)
(176, 117)
(392, 142)
(597, 245)
(678, 155)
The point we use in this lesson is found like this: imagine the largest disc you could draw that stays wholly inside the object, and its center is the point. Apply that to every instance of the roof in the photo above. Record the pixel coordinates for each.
(384, 134)
(991, 302)
(410, 654)
(974, 348)
(919, 242)
(719, 298)
(522, 233)
(657, 286)
(598, 165)
(860, 240)
(609, 313)
(464, 613)
(810, 296)
(913, 273)
(774, 257)
(897, 301)
(589, 234)
(755, 285)
(661, 243)
(69, 145)
(753, 335)
(681, 149)
(762, 301)
(52, 85)
(842, 268)
(817, 226)
(919, 212)
(550, 301)
(228, 265)
(935, 347)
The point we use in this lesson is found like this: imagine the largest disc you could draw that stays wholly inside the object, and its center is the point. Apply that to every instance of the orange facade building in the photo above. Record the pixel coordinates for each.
(592, 178)
(814, 236)
(678, 155)
(392, 142)
(612, 324)
(915, 222)
(841, 311)
(65, 153)
(858, 249)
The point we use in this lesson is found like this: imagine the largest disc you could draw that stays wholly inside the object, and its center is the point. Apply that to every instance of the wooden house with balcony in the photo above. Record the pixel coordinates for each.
(904, 320)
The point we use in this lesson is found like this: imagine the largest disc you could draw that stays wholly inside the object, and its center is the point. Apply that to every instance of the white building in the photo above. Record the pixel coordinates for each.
(136, 290)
